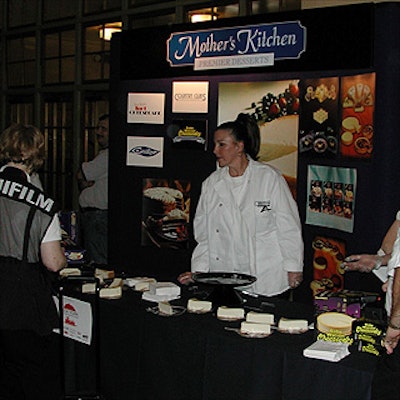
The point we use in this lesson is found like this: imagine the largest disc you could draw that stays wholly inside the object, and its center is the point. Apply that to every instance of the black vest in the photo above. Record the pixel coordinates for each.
(25, 289)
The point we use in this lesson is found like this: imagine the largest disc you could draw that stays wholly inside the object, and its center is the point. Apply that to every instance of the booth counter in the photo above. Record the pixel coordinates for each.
(193, 356)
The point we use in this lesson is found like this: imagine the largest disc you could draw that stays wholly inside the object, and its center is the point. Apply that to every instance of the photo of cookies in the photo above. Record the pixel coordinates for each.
(318, 125)
(357, 122)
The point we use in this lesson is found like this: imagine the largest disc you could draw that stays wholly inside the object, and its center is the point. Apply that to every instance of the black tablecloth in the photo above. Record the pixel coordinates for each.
(192, 356)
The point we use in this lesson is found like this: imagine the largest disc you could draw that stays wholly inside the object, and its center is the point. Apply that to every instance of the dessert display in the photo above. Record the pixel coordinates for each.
(89, 288)
(357, 127)
(351, 124)
(199, 306)
(164, 289)
(255, 329)
(335, 323)
(272, 106)
(347, 138)
(230, 313)
(318, 133)
(320, 142)
(68, 271)
(362, 145)
(328, 256)
(286, 325)
(260, 318)
(103, 274)
(75, 256)
(111, 293)
(144, 284)
(113, 290)
(165, 216)
(165, 308)
(320, 263)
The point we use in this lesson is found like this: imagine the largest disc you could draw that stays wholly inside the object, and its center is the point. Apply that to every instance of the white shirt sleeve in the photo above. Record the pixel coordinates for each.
(53, 232)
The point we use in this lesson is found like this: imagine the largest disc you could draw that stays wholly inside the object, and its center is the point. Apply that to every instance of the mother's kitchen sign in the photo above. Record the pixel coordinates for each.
(237, 47)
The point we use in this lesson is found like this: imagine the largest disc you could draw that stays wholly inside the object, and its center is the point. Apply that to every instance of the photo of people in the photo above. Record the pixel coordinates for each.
(331, 195)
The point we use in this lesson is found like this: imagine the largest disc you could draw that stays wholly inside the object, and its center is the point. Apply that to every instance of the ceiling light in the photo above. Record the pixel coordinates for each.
(202, 17)
(106, 31)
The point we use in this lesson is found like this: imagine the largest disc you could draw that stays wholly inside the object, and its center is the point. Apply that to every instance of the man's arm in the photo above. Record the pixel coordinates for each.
(393, 330)
(367, 262)
(53, 256)
(82, 182)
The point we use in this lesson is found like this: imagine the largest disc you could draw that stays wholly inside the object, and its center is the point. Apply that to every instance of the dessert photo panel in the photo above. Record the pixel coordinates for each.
(357, 125)
(331, 197)
(318, 125)
(275, 106)
(327, 264)
(165, 213)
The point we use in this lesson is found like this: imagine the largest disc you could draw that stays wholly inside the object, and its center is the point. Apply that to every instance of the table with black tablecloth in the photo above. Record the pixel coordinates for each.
(192, 356)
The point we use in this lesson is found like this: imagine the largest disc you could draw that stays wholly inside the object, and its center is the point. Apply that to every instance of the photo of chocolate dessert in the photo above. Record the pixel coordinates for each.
(165, 213)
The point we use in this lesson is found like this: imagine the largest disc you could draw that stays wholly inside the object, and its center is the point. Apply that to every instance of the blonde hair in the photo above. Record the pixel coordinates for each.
(23, 144)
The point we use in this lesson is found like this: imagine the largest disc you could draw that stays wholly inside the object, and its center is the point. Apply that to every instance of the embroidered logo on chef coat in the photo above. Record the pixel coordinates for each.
(263, 205)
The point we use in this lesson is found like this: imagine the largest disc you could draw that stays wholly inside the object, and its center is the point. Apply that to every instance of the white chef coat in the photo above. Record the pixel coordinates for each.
(260, 236)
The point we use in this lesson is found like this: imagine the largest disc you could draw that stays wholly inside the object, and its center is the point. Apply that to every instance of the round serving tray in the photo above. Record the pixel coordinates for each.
(223, 278)
(223, 286)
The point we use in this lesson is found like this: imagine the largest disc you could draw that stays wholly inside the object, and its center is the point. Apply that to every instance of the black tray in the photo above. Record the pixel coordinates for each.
(223, 285)
(223, 278)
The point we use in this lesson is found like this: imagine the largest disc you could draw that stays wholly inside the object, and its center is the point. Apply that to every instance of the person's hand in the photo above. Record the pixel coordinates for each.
(391, 339)
(185, 278)
(385, 286)
(360, 262)
(83, 184)
(295, 278)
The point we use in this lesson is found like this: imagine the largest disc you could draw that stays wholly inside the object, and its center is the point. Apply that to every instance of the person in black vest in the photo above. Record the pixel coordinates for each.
(30, 252)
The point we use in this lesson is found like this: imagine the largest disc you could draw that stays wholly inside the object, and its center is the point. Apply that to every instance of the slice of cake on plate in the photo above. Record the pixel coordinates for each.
(230, 313)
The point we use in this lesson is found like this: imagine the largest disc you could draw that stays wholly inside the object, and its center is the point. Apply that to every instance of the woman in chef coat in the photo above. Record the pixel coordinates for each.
(246, 219)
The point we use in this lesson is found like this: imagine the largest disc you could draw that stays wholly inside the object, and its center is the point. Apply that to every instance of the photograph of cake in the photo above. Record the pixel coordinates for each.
(275, 106)
(327, 264)
(318, 124)
(357, 125)
(165, 213)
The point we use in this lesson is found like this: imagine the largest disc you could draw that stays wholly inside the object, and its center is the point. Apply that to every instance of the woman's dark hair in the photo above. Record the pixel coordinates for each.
(245, 129)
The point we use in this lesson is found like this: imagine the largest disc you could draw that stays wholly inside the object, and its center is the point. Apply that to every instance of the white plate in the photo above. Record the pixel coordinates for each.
(248, 335)
(177, 310)
(292, 331)
(198, 311)
(229, 319)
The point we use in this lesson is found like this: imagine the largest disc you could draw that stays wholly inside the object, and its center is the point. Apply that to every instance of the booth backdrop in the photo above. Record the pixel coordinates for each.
(340, 41)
